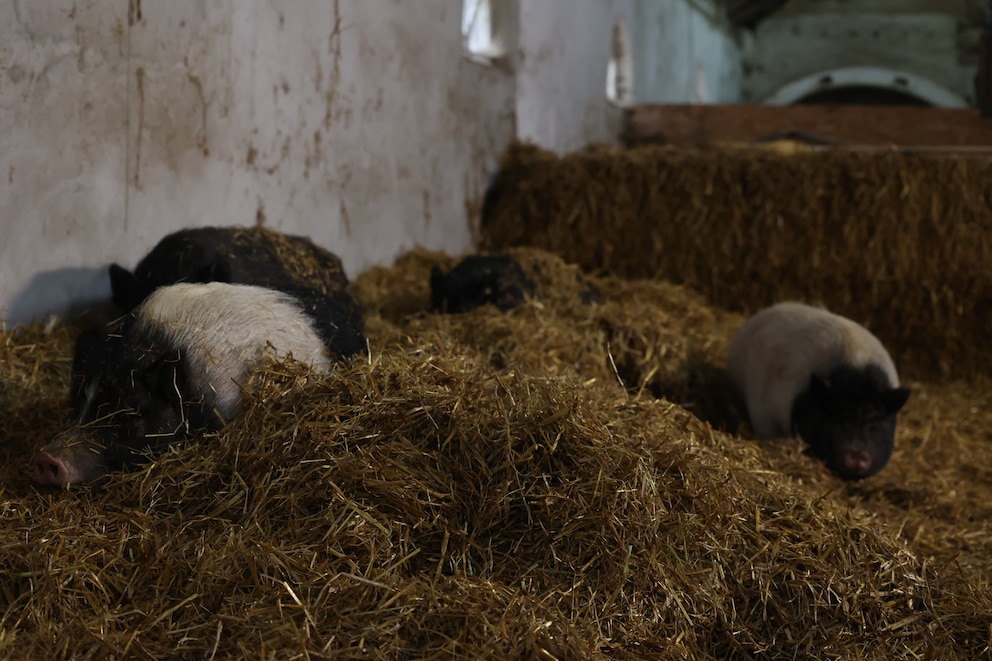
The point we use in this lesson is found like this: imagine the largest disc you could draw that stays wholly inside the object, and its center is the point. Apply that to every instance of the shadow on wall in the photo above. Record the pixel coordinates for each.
(71, 293)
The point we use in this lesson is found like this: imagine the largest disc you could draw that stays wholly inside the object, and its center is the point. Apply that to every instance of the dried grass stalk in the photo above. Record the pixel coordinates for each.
(897, 240)
(482, 486)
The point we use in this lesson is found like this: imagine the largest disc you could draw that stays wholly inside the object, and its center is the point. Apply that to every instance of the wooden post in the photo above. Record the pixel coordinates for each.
(906, 126)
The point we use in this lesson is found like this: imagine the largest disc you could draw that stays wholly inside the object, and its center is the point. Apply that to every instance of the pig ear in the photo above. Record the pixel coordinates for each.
(123, 287)
(894, 399)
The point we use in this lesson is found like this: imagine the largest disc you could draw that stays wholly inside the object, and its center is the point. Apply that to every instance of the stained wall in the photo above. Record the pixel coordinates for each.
(359, 123)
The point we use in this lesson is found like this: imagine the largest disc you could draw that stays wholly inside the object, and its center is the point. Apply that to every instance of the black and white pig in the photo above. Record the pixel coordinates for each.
(241, 255)
(479, 280)
(805, 370)
(175, 365)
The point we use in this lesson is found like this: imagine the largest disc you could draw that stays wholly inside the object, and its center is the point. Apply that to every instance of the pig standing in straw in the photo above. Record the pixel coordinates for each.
(805, 370)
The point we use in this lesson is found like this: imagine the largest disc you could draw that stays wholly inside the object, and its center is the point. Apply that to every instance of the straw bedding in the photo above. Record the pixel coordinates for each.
(894, 239)
(483, 486)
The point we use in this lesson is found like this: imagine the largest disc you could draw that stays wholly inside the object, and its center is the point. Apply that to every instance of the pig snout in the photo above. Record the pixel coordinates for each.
(52, 471)
(857, 462)
(59, 464)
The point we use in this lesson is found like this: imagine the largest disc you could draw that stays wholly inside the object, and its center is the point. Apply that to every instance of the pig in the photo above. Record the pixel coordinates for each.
(478, 280)
(241, 255)
(173, 368)
(804, 370)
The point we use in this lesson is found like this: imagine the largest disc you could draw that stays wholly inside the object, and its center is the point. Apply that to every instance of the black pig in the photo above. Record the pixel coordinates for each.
(478, 280)
(242, 255)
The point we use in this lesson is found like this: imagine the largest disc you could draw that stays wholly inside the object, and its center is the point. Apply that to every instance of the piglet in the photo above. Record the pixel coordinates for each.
(804, 370)
(479, 280)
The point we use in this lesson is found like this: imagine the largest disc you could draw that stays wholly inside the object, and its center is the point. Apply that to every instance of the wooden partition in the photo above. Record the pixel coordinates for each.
(860, 125)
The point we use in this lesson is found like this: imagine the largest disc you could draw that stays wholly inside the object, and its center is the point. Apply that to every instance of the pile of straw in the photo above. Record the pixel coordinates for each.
(896, 240)
(482, 486)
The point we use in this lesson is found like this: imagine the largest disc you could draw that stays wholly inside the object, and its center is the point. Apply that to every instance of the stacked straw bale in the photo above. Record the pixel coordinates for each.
(483, 487)
(899, 241)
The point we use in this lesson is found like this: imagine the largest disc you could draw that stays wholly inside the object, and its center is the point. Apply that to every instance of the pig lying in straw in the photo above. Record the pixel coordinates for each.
(174, 367)
(479, 280)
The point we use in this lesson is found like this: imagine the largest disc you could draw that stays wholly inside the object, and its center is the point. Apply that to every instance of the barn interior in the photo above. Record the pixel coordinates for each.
(572, 478)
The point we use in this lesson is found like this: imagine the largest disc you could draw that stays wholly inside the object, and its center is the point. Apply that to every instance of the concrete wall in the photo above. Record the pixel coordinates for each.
(359, 123)
(934, 41)
(685, 53)
(563, 56)
(356, 122)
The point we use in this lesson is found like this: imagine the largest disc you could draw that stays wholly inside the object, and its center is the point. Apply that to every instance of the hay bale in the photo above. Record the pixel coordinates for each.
(423, 502)
(895, 240)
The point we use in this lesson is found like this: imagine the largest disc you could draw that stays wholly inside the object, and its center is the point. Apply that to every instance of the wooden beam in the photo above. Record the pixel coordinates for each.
(868, 125)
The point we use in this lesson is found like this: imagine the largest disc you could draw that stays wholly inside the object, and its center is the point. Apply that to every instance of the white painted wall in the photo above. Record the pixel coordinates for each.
(359, 123)
(562, 59)
(356, 122)
(63, 146)
(685, 53)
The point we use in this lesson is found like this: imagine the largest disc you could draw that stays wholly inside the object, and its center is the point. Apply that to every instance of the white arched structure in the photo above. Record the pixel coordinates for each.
(878, 77)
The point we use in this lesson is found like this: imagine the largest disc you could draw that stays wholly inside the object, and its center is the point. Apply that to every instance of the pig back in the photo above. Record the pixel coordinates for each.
(773, 356)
